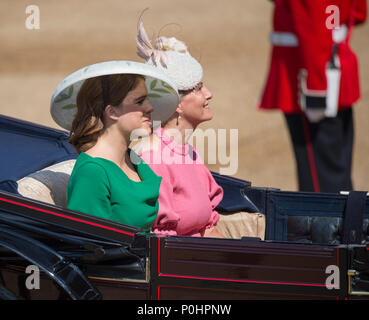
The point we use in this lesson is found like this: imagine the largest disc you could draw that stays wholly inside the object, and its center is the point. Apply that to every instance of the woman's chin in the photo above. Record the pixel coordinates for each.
(208, 116)
(144, 131)
(148, 130)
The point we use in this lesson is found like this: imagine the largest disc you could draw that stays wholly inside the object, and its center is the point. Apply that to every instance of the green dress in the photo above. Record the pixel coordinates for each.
(99, 187)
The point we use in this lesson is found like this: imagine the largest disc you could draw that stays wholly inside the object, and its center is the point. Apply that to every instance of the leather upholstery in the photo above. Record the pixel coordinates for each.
(327, 230)
(309, 217)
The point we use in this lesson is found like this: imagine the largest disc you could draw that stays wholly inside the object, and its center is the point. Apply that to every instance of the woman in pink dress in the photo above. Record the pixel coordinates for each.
(188, 193)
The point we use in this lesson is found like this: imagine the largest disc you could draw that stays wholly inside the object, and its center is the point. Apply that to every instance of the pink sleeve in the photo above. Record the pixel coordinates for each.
(167, 219)
(216, 196)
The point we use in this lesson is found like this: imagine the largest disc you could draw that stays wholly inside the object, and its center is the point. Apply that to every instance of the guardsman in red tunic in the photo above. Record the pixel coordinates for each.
(314, 80)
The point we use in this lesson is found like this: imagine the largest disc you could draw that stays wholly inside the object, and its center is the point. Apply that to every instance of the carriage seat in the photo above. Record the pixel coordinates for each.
(49, 184)
(242, 224)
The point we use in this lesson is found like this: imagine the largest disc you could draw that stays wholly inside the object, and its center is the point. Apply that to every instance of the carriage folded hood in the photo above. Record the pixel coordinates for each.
(27, 147)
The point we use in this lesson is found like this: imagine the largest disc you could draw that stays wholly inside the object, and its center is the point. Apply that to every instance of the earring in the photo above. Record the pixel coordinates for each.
(178, 117)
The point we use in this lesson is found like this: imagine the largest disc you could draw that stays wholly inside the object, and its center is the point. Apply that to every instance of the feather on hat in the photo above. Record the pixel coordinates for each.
(171, 56)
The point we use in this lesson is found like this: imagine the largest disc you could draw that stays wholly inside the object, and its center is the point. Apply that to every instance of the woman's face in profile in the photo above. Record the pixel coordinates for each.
(135, 110)
(195, 105)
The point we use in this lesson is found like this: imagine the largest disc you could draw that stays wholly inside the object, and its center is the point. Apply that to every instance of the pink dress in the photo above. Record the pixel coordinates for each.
(188, 192)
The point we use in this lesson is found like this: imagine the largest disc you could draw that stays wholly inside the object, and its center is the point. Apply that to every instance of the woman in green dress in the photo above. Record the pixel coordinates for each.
(109, 180)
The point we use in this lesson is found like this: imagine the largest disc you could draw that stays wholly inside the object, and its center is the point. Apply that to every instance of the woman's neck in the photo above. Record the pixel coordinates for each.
(112, 147)
(180, 130)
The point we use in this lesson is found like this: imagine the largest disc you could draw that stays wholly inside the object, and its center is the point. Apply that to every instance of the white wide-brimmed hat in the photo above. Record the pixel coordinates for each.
(162, 91)
(171, 56)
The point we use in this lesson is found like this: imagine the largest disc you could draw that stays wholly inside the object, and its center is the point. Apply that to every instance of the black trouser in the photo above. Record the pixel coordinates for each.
(323, 151)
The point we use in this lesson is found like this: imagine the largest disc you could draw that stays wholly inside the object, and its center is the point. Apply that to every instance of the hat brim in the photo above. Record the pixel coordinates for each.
(162, 92)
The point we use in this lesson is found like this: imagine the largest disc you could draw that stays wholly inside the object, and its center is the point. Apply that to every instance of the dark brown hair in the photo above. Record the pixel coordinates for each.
(88, 123)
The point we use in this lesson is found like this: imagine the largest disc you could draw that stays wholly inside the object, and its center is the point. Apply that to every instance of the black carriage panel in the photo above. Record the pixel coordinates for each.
(205, 268)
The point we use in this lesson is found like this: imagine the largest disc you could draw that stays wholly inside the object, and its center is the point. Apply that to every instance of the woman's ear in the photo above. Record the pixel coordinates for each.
(179, 109)
(111, 112)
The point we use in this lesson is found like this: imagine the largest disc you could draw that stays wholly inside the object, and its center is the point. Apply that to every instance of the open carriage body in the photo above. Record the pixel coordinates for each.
(302, 246)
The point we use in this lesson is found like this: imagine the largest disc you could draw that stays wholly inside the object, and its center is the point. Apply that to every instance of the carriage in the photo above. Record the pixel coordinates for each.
(279, 245)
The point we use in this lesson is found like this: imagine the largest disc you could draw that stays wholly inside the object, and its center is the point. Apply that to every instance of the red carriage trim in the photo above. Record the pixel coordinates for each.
(68, 217)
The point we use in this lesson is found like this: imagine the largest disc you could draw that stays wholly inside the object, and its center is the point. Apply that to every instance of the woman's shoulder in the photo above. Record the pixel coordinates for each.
(88, 164)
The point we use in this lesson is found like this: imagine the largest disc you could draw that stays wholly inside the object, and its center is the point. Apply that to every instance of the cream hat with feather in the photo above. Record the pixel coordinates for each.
(171, 56)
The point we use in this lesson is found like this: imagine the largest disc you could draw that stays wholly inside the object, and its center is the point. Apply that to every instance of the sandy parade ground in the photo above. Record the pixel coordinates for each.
(230, 38)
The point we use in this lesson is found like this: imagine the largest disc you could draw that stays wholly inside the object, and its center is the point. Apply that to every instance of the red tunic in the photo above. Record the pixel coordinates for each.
(306, 21)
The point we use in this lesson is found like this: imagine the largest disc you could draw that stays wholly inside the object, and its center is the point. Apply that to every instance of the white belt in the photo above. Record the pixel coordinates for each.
(288, 39)
(283, 39)
(339, 34)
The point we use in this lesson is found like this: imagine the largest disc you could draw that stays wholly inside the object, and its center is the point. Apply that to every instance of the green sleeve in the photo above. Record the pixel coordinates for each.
(89, 191)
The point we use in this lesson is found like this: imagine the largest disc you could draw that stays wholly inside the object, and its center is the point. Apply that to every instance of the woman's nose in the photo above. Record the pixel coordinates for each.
(148, 106)
(208, 93)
